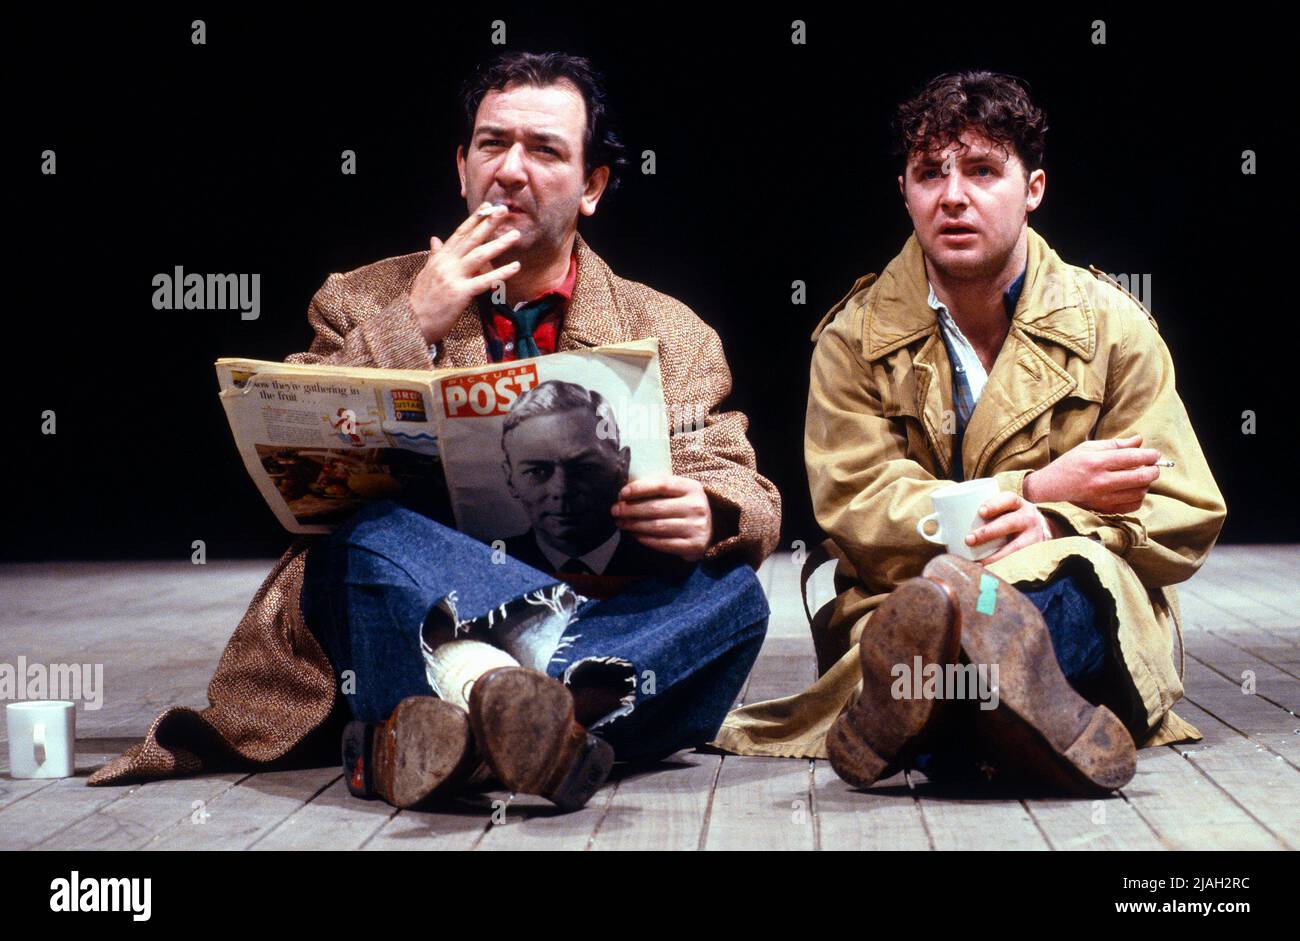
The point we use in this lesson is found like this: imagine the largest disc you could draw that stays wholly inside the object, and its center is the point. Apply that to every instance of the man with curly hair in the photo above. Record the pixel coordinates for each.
(978, 354)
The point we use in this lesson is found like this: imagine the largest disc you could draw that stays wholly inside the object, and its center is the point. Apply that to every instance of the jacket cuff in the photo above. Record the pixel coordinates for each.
(727, 538)
(1013, 480)
(1118, 533)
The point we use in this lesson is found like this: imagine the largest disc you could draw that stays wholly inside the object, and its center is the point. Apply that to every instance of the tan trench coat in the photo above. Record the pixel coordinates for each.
(1083, 360)
(273, 689)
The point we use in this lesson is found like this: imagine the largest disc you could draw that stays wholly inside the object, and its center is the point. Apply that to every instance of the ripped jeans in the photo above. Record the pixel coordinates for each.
(677, 650)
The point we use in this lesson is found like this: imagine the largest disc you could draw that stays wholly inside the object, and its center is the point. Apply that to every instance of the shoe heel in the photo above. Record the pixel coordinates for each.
(430, 747)
(585, 778)
(851, 757)
(1103, 755)
(358, 760)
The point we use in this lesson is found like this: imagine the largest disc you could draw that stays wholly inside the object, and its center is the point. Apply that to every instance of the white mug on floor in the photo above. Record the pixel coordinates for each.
(957, 513)
(42, 738)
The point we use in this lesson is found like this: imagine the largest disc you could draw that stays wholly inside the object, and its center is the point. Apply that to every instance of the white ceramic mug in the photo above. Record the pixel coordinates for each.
(42, 738)
(957, 513)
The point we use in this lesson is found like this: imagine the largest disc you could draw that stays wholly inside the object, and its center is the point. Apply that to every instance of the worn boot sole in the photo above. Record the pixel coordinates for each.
(524, 725)
(423, 746)
(1042, 730)
(870, 738)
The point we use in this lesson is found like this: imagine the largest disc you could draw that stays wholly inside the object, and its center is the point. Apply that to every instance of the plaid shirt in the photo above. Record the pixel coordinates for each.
(968, 373)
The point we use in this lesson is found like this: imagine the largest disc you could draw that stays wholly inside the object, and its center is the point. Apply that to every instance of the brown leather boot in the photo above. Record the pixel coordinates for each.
(422, 748)
(919, 623)
(1041, 731)
(525, 729)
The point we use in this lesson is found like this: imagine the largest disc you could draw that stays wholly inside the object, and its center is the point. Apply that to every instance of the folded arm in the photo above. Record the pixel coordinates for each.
(1166, 539)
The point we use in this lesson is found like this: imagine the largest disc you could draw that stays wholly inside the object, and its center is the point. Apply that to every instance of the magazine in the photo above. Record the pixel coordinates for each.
(498, 451)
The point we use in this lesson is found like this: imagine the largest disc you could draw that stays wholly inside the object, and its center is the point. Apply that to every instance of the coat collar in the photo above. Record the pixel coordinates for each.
(1024, 381)
(594, 316)
(1052, 305)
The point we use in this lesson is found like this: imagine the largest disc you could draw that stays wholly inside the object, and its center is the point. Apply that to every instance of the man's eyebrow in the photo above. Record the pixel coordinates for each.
(589, 451)
(544, 137)
(966, 156)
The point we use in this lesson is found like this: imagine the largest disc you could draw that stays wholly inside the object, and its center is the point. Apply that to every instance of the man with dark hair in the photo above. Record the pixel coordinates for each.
(601, 146)
(979, 354)
(394, 605)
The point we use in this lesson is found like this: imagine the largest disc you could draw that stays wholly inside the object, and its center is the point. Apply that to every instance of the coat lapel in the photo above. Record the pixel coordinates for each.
(1025, 381)
(595, 316)
(934, 398)
(1023, 384)
(898, 316)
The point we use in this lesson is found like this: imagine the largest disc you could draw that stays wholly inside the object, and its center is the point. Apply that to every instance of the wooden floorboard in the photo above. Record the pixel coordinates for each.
(1187, 810)
(157, 630)
(457, 825)
(959, 822)
(134, 815)
(240, 816)
(1238, 766)
(883, 817)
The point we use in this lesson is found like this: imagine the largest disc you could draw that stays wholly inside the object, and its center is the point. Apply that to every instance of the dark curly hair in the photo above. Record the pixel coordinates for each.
(996, 105)
(601, 146)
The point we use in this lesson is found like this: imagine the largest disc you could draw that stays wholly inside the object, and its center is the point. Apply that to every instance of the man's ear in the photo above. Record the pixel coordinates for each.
(460, 168)
(510, 477)
(902, 190)
(594, 189)
(1035, 186)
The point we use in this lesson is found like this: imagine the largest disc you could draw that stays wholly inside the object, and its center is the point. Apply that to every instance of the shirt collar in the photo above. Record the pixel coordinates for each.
(596, 560)
(1053, 305)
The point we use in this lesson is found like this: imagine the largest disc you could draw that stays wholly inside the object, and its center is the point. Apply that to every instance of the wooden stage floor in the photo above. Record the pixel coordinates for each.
(159, 627)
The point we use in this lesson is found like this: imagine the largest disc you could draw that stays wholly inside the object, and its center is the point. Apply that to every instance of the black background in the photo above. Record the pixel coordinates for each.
(773, 165)
(1088, 885)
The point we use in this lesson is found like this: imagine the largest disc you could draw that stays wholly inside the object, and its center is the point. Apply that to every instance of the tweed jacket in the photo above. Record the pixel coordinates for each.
(274, 688)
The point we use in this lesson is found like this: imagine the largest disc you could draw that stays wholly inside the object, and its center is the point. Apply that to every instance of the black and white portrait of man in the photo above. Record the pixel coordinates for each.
(565, 465)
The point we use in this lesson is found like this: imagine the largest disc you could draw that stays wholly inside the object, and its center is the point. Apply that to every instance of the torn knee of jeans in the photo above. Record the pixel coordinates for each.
(603, 688)
(529, 627)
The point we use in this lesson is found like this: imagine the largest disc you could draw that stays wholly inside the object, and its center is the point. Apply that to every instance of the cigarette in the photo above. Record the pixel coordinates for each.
(487, 211)
(1164, 463)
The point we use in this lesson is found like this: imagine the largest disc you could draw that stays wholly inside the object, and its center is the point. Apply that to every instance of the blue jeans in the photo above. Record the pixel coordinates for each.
(1080, 648)
(677, 649)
